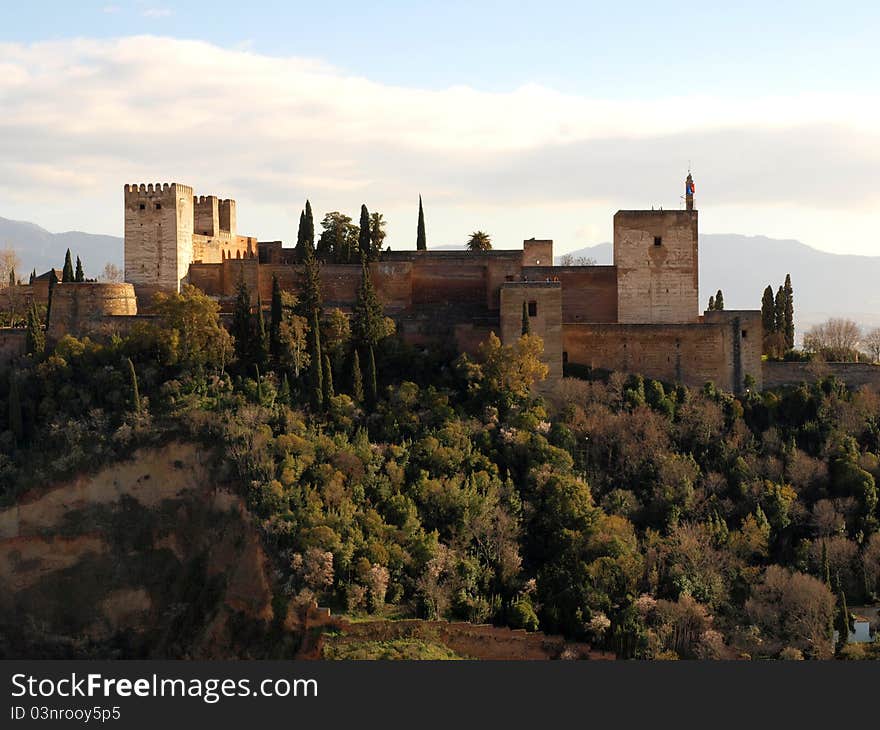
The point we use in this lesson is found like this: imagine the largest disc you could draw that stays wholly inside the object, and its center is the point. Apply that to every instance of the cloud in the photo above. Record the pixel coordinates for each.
(84, 116)
(157, 12)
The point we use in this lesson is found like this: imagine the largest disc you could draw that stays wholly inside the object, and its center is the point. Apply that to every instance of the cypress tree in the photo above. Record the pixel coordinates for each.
(526, 323)
(788, 313)
(79, 275)
(277, 314)
(421, 238)
(261, 341)
(16, 422)
(719, 301)
(53, 280)
(842, 624)
(711, 306)
(768, 311)
(36, 338)
(300, 236)
(357, 380)
(242, 323)
(372, 379)
(284, 390)
(364, 234)
(135, 391)
(33, 276)
(309, 234)
(826, 567)
(328, 380)
(310, 303)
(367, 323)
(316, 380)
(779, 310)
(67, 272)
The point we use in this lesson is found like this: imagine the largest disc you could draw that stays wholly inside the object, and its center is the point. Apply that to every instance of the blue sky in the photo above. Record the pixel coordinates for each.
(520, 118)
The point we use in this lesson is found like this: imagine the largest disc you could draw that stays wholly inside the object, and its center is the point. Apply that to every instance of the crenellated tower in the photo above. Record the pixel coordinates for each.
(158, 236)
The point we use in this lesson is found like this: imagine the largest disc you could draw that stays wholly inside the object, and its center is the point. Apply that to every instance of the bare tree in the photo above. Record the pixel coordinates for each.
(835, 340)
(571, 260)
(871, 343)
(10, 264)
(111, 272)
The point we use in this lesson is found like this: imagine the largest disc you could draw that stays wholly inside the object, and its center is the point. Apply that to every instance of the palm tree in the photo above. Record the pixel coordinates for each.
(479, 241)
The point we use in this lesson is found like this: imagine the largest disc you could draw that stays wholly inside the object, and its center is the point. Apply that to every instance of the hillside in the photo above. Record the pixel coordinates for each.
(40, 249)
(743, 265)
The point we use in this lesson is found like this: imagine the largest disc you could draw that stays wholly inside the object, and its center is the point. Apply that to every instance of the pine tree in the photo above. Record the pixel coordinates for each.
(372, 378)
(79, 275)
(711, 306)
(328, 380)
(36, 338)
(421, 238)
(526, 323)
(135, 391)
(719, 301)
(788, 313)
(16, 422)
(357, 380)
(779, 310)
(277, 314)
(316, 380)
(67, 272)
(367, 321)
(768, 311)
(242, 323)
(364, 234)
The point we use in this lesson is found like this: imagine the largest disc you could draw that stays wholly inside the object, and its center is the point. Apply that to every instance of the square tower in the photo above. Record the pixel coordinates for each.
(656, 257)
(158, 236)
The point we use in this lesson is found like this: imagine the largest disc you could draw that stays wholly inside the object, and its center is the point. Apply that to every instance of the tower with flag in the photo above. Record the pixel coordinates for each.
(689, 192)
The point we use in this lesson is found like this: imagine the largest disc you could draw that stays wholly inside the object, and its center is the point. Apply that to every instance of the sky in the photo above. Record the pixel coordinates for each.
(520, 119)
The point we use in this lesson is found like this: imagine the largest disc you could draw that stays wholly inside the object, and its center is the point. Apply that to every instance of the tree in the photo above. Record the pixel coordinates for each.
(377, 234)
(340, 238)
(135, 392)
(79, 275)
(67, 272)
(9, 262)
(479, 241)
(316, 360)
(367, 321)
(509, 371)
(276, 317)
(261, 337)
(835, 340)
(768, 312)
(572, 260)
(843, 622)
(357, 381)
(364, 233)
(779, 310)
(111, 272)
(526, 322)
(871, 343)
(711, 306)
(719, 301)
(372, 378)
(327, 384)
(293, 337)
(421, 238)
(788, 313)
(53, 280)
(36, 338)
(242, 323)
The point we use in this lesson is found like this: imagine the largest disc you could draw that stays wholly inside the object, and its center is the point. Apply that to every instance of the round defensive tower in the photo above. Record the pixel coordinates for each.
(82, 308)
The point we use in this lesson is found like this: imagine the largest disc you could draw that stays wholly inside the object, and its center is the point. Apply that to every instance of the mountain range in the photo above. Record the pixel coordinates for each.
(825, 284)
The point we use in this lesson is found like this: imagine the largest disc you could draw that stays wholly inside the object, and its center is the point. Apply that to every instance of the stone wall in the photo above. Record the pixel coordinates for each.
(854, 374)
(655, 253)
(83, 308)
(689, 354)
(544, 306)
(589, 293)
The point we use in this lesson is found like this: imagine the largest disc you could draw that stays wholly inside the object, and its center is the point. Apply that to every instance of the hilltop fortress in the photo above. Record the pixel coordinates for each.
(640, 315)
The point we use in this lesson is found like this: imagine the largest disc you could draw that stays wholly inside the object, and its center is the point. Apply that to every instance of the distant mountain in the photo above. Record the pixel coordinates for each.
(825, 284)
(41, 250)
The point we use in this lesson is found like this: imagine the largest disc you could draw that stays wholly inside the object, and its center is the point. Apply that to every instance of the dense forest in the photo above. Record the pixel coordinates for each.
(651, 520)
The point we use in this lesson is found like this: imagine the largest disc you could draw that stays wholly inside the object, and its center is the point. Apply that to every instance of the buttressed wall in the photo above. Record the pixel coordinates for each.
(655, 253)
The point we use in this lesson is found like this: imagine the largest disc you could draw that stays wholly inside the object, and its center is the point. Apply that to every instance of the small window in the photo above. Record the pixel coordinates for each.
(143, 206)
(533, 309)
(158, 206)
(564, 357)
(658, 241)
(744, 333)
(537, 262)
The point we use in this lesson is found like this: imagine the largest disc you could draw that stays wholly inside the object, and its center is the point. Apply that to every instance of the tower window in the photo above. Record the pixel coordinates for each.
(143, 206)
(533, 309)
(158, 206)
(658, 241)
(744, 333)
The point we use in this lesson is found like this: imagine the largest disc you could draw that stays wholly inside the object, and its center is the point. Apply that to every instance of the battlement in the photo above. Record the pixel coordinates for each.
(152, 189)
